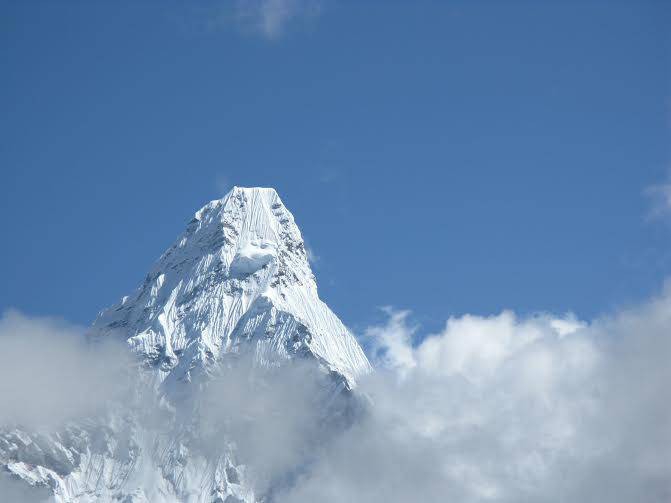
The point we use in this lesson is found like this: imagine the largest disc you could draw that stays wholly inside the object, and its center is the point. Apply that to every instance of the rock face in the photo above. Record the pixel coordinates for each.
(237, 287)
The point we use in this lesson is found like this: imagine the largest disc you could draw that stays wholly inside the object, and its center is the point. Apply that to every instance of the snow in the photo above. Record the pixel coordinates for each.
(252, 257)
(237, 281)
(240, 255)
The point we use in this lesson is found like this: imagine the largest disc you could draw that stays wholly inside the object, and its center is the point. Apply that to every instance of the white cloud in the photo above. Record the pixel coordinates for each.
(270, 18)
(17, 491)
(313, 258)
(222, 184)
(498, 408)
(50, 373)
(510, 409)
(660, 196)
(391, 343)
(310, 252)
(275, 416)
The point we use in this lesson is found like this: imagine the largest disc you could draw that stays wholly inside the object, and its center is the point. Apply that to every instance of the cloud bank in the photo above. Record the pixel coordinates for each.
(510, 409)
(50, 373)
(497, 408)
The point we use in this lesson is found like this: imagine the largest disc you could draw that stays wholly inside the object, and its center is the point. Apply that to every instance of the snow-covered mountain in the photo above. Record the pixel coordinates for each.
(235, 291)
(238, 274)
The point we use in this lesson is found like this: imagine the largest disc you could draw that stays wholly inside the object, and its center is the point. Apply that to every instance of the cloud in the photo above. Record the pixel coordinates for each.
(222, 184)
(276, 417)
(509, 409)
(313, 258)
(501, 408)
(15, 490)
(50, 373)
(660, 197)
(391, 344)
(270, 18)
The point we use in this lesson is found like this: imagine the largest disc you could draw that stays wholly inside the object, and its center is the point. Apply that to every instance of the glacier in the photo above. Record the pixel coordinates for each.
(216, 323)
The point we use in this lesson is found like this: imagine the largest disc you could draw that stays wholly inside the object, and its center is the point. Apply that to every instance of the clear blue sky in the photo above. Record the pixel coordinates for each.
(445, 157)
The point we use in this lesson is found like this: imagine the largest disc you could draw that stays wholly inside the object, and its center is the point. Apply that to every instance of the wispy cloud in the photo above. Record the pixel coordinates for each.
(222, 184)
(391, 343)
(660, 195)
(50, 372)
(270, 18)
(312, 255)
(509, 409)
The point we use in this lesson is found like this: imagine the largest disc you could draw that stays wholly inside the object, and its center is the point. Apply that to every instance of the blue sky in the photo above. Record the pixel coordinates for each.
(444, 157)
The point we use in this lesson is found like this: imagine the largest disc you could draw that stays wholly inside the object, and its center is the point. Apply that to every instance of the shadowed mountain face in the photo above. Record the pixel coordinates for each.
(242, 371)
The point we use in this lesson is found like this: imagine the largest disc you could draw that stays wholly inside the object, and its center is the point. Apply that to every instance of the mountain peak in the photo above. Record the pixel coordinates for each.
(257, 195)
(247, 214)
(237, 280)
(231, 304)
